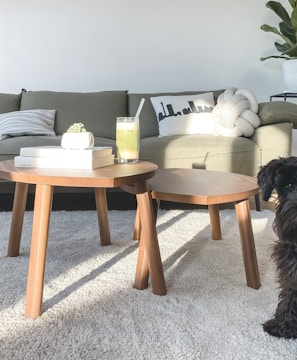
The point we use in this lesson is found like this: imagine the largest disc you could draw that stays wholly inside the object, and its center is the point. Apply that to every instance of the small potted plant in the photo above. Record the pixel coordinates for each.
(77, 137)
(287, 49)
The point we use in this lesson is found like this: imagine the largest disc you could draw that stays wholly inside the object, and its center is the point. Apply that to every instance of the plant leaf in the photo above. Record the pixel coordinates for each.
(268, 28)
(285, 49)
(294, 19)
(276, 57)
(279, 10)
(288, 31)
(292, 3)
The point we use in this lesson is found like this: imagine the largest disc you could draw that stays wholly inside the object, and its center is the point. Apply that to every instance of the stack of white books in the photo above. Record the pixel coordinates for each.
(61, 158)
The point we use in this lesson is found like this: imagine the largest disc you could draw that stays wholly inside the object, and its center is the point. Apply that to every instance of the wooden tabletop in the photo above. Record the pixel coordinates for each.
(204, 187)
(109, 176)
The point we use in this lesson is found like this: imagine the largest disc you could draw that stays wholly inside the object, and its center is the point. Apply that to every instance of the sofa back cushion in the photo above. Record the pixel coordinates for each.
(148, 120)
(9, 102)
(96, 110)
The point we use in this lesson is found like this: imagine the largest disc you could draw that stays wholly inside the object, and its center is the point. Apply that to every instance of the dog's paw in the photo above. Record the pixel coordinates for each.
(274, 328)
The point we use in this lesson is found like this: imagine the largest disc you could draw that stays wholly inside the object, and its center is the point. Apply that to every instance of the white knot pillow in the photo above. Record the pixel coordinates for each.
(236, 113)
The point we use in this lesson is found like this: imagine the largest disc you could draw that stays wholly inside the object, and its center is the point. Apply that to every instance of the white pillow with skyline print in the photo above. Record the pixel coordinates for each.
(184, 114)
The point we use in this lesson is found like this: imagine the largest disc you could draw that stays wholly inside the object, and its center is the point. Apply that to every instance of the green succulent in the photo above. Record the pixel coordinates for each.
(287, 30)
(76, 128)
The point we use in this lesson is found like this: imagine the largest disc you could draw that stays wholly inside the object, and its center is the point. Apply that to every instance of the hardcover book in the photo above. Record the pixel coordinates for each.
(58, 151)
(64, 162)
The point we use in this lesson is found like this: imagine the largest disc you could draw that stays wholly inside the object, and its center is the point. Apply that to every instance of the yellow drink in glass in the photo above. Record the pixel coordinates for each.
(127, 139)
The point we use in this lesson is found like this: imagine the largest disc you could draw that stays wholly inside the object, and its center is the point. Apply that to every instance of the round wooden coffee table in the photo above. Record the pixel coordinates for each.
(211, 188)
(133, 176)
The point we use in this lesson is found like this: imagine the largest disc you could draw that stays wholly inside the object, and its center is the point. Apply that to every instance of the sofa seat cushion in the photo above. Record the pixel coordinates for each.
(97, 111)
(11, 147)
(215, 151)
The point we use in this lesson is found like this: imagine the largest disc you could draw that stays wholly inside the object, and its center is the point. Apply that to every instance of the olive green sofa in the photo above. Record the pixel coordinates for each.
(98, 112)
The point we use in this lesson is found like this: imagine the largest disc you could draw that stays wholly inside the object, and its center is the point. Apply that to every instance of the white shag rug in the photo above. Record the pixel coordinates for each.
(91, 311)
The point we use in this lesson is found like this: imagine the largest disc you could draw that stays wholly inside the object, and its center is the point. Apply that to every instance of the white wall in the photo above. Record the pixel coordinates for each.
(139, 45)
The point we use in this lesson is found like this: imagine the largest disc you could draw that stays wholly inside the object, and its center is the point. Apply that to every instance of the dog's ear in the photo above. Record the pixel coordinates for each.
(275, 175)
(265, 183)
(267, 175)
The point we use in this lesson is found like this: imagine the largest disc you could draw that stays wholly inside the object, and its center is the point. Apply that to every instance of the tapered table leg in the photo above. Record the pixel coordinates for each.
(149, 260)
(137, 226)
(214, 215)
(18, 211)
(41, 219)
(142, 267)
(248, 244)
(102, 215)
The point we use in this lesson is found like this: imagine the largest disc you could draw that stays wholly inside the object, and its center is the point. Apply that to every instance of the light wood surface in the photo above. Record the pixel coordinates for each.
(211, 188)
(134, 176)
(203, 187)
(107, 177)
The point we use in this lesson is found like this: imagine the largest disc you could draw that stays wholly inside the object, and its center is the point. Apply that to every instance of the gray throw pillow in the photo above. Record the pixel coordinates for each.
(277, 111)
(28, 122)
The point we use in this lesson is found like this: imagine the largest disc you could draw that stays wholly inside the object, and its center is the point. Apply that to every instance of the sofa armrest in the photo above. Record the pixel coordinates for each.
(274, 140)
(277, 112)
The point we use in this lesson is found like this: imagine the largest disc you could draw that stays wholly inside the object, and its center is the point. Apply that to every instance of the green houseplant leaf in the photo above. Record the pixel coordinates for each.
(287, 30)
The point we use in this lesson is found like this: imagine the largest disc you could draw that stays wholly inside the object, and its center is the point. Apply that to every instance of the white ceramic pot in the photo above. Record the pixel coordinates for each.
(289, 68)
(82, 140)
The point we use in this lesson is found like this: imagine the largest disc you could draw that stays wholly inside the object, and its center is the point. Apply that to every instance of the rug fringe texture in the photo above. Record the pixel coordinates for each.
(91, 310)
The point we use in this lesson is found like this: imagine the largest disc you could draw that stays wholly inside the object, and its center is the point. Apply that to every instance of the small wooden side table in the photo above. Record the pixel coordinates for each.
(211, 188)
(133, 175)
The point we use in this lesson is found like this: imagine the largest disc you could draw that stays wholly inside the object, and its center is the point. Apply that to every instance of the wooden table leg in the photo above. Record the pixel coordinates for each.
(137, 226)
(102, 215)
(214, 215)
(149, 258)
(137, 223)
(248, 244)
(18, 211)
(41, 219)
(142, 267)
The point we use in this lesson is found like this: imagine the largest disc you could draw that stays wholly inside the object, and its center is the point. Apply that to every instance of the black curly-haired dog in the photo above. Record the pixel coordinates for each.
(280, 175)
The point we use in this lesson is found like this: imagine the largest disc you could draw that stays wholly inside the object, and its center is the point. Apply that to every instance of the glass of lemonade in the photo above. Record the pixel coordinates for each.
(127, 139)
